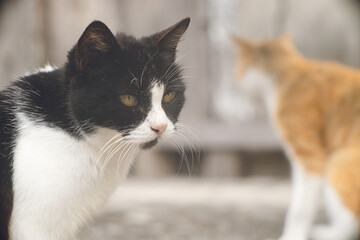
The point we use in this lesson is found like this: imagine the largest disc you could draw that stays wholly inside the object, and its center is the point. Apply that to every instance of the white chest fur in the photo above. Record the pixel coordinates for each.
(57, 185)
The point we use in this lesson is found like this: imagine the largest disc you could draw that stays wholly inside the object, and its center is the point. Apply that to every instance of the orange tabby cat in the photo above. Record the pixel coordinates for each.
(315, 107)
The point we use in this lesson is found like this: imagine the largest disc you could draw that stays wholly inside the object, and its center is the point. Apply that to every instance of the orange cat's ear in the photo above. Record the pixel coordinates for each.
(241, 43)
(287, 40)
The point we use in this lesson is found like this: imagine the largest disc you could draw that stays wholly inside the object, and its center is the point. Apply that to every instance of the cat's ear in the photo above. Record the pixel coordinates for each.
(97, 38)
(287, 40)
(286, 37)
(168, 39)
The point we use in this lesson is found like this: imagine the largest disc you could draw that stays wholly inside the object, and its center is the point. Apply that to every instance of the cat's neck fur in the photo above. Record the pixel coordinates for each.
(281, 68)
(49, 102)
(277, 77)
(262, 84)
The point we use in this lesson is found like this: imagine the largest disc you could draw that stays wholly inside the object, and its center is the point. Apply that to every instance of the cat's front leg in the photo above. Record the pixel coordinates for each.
(304, 202)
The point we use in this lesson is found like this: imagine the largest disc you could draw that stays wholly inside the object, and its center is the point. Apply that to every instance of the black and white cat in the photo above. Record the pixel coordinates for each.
(69, 134)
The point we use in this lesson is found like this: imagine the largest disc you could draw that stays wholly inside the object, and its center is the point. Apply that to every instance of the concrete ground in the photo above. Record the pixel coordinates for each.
(193, 209)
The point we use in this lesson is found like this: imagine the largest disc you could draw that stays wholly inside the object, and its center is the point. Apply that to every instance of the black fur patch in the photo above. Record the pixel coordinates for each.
(150, 144)
(7, 134)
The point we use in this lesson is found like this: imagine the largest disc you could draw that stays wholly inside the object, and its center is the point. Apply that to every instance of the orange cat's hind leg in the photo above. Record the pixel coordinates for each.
(342, 197)
(306, 189)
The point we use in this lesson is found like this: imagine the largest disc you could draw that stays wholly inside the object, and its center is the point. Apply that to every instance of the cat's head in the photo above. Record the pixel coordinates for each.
(130, 85)
(268, 56)
(258, 63)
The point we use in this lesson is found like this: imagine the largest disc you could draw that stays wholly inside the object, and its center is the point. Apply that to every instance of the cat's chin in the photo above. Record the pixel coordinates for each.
(149, 145)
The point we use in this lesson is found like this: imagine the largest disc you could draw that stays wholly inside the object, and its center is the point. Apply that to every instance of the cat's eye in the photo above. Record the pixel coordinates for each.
(169, 97)
(128, 100)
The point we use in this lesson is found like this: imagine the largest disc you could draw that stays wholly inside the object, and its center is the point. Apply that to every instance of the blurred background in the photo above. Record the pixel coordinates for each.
(236, 184)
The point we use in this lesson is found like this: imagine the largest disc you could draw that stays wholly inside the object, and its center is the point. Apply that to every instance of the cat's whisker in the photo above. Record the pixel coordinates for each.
(177, 83)
(119, 150)
(135, 79)
(108, 159)
(166, 73)
(110, 150)
(177, 74)
(172, 73)
(174, 63)
(143, 71)
(195, 153)
(196, 150)
(183, 152)
(109, 141)
(185, 129)
(191, 147)
(104, 149)
(182, 77)
(113, 152)
(119, 147)
(176, 149)
(124, 156)
(191, 131)
(124, 150)
(130, 152)
(109, 144)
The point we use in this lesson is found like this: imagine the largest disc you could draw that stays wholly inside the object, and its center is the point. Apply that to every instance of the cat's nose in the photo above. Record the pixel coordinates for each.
(159, 128)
